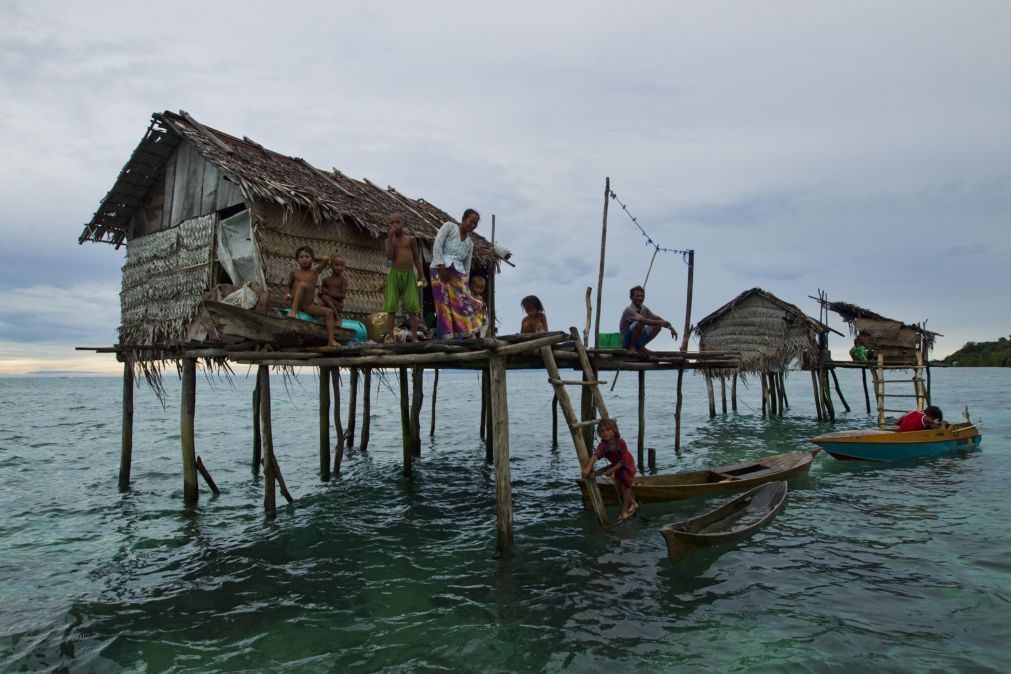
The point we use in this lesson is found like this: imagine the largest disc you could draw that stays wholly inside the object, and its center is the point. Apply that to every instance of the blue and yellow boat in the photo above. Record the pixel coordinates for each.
(889, 445)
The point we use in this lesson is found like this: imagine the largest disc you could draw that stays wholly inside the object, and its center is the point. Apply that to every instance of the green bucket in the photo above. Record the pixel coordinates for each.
(610, 340)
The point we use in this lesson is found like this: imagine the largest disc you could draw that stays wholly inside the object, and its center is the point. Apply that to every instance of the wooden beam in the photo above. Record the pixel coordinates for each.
(187, 412)
(126, 432)
(500, 431)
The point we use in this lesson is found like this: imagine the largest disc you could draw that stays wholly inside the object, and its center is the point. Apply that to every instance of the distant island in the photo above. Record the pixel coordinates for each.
(982, 354)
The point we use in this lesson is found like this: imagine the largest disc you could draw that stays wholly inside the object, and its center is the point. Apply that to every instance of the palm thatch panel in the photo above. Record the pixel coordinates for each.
(767, 332)
(164, 279)
(879, 332)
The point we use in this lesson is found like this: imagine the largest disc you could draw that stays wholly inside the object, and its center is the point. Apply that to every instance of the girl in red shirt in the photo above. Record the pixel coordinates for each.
(622, 467)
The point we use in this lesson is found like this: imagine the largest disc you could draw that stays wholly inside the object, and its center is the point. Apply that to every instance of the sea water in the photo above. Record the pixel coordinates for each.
(870, 567)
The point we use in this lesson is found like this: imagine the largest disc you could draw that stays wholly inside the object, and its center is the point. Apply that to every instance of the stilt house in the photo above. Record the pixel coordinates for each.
(199, 209)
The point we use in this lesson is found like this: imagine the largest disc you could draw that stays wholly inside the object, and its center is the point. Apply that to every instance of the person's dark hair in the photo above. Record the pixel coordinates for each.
(609, 423)
(468, 212)
(632, 291)
(532, 301)
(934, 412)
(306, 249)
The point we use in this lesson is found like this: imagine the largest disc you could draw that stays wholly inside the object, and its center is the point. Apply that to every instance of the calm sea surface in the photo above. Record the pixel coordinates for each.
(869, 567)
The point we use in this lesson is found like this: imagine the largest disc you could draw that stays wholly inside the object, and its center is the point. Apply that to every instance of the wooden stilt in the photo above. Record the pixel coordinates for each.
(782, 392)
(765, 395)
(554, 421)
(867, 397)
(487, 417)
(435, 393)
(652, 459)
(500, 429)
(417, 398)
(352, 408)
(324, 423)
(826, 394)
(600, 276)
(835, 380)
(405, 423)
(641, 441)
(206, 474)
(710, 394)
(338, 424)
(269, 497)
(773, 395)
(723, 392)
(280, 479)
(484, 403)
(733, 392)
(188, 409)
(586, 411)
(366, 409)
(257, 445)
(126, 432)
(817, 396)
(677, 412)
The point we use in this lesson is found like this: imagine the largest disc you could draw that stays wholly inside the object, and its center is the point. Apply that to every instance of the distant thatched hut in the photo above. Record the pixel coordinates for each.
(768, 333)
(897, 342)
(199, 208)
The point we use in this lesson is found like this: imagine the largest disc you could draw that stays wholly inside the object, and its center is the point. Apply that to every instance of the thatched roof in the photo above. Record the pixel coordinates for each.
(262, 175)
(767, 332)
(851, 312)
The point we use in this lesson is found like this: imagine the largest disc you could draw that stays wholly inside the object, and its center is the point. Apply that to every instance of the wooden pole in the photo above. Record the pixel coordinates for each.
(651, 458)
(405, 423)
(589, 315)
(487, 417)
(656, 249)
(500, 429)
(338, 425)
(641, 442)
(733, 392)
(324, 423)
(126, 432)
(257, 445)
(269, 495)
(435, 393)
(688, 302)
(554, 420)
(771, 379)
(484, 403)
(366, 409)
(206, 474)
(492, 272)
(765, 396)
(187, 412)
(677, 412)
(417, 398)
(867, 396)
(826, 395)
(587, 411)
(710, 395)
(352, 408)
(723, 392)
(817, 397)
(838, 390)
(600, 275)
(782, 391)
(280, 479)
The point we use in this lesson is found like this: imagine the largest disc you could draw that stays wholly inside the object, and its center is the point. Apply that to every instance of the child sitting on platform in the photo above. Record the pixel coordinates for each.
(335, 288)
(535, 320)
(613, 448)
(302, 290)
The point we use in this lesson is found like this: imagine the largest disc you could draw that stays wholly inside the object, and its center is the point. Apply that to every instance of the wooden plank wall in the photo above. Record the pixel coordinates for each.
(189, 186)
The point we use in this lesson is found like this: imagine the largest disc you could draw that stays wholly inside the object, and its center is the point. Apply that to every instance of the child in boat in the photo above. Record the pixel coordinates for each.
(613, 448)
(930, 417)
(535, 320)
(402, 283)
(334, 288)
(302, 290)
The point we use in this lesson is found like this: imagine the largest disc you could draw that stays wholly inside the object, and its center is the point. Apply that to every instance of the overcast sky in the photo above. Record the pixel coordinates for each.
(863, 148)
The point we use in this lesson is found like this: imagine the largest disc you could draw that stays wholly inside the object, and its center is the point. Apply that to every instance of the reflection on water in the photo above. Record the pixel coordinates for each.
(900, 567)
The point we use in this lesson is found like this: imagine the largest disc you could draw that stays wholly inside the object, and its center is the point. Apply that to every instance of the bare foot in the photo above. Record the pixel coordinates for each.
(389, 340)
(332, 342)
(292, 314)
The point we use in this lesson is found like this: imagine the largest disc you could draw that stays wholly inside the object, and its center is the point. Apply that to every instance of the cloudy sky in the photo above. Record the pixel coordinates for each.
(863, 148)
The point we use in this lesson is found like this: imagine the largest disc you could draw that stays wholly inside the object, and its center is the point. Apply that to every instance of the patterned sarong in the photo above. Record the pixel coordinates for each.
(458, 314)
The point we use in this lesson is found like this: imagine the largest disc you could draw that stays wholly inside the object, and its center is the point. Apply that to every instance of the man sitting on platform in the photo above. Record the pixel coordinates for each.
(639, 326)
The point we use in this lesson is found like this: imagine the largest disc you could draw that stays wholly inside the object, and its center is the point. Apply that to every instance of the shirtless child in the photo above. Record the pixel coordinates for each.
(302, 289)
(402, 283)
(334, 288)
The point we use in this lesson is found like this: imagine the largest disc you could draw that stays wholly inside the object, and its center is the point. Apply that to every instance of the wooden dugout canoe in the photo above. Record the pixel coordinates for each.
(730, 522)
(878, 444)
(247, 324)
(735, 477)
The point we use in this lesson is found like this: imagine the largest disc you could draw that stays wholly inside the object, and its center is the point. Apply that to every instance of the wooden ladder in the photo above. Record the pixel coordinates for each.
(575, 425)
(919, 389)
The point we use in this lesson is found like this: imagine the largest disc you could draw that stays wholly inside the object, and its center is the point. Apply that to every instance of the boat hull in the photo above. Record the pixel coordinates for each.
(723, 479)
(732, 521)
(878, 445)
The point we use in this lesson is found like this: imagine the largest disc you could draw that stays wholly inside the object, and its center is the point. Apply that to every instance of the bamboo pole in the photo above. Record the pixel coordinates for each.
(817, 398)
(765, 395)
(677, 412)
(587, 411)
(826, 394)
(126, 432)
(405, 423)
(417, 398)
(484, 404)
(500, 430)
(257, 444)
(589, 315)
(338, 425)
(324, 423)
(269, 497)
(688, 301)
(600, 275)
(280, 479)
(710, 395)
(187, 412)
(366, 409)
(867, 397)
(771, 379)
(554, 420)
(352, 408)
(492, 272)
(733, 392)
(435, 393)
(723, 392)
(206, 474)
(641, 441)
(835, 380)
(487, 417)
(782, 391)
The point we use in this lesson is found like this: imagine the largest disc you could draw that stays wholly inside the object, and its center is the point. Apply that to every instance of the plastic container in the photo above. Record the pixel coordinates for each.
(610, 340)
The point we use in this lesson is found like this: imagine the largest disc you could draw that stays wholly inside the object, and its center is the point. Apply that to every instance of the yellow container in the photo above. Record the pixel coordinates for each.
(375, 326)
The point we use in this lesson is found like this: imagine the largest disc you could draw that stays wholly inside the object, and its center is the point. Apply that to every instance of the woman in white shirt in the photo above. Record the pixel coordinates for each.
(457, 313)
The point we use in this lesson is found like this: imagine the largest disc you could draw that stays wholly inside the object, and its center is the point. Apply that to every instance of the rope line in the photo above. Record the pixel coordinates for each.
(649, 240)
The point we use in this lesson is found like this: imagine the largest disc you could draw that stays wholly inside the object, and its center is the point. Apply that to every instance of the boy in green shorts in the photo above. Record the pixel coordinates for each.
(402, 284)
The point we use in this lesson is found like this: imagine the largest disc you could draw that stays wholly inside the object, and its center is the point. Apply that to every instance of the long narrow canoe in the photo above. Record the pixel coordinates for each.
(730, 522)
(232, 320)
(877, 444)
(735, 477)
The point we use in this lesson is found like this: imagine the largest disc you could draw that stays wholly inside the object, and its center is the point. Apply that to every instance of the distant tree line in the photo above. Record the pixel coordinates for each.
(982, 354)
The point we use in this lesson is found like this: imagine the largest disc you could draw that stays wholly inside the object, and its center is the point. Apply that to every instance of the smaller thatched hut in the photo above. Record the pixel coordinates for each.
(768, 333)
(897, 342)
